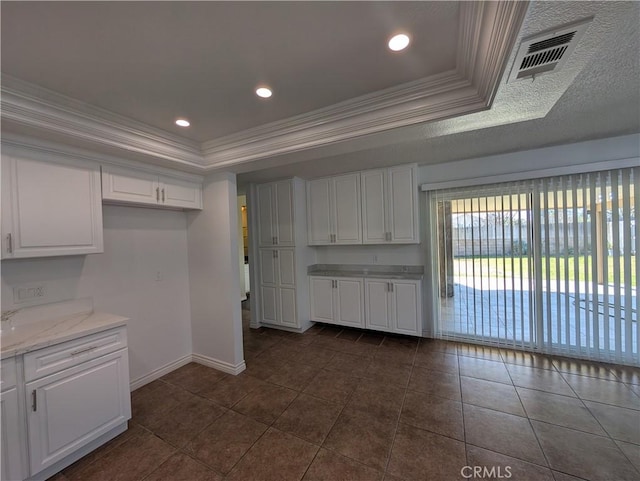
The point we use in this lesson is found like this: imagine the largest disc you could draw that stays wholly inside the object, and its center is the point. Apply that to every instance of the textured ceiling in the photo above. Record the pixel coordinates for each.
(597, 95)
(155, 61)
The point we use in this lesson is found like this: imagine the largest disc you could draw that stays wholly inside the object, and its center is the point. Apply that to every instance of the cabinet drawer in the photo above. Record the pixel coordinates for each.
(71, 353)
(7, 373)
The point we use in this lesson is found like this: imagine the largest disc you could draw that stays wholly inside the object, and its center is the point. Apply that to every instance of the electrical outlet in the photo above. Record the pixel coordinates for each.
(159, 276)
(27, 293)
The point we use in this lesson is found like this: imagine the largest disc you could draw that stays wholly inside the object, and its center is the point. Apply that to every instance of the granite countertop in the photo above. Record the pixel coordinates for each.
(366, 270)
(29, 336)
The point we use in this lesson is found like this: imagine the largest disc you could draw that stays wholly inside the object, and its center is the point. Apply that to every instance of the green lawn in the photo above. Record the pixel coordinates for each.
(513, 266)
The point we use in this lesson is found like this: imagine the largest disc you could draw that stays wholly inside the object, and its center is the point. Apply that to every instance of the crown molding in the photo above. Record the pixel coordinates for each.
(29, 105)
(16, 144)
(487, 33)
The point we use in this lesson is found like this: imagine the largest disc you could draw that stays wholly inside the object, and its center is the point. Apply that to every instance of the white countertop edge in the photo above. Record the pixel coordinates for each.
(34, 336)
(367, 275)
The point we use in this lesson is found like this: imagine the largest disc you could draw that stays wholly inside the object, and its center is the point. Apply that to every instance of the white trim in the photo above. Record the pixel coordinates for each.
(470, 87)
(33, 106)
(18, 143)
(161, 371)
(223, 366)
(534, 174)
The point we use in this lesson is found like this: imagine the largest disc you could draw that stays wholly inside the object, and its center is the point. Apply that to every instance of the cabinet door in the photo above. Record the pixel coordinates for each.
(54, 208)
(403, 205)
(349, 302)
(347, 209)
(70, 409)
(321, 299)
(129, 185)
(269, 303)
(374, 206)
(285, 259)
(287, 307)
(180, 193)
(11, 463)
(377, 305)
(284, 213)
(268, 267)
(319, 212)
(266, 218)
(7, 211)
(406, 307)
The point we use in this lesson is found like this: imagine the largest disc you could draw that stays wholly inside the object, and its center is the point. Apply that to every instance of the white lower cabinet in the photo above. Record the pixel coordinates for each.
(62, 401)
(69, 409)
(377, 307)
(390, 305)
(337, 300)
(406, 307)
(11, 465)
(278, 287)
(394, 305)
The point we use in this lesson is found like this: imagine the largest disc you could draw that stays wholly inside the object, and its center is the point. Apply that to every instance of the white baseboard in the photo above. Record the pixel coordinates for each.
(158, 373)
(297, 330)
(219, 365)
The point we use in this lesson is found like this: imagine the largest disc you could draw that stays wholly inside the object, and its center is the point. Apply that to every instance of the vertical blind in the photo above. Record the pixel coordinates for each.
(546, 265)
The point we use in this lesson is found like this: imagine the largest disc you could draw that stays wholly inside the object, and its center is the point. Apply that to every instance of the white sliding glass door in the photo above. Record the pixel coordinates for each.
(586, 270)
(485, 265)
(547, 265)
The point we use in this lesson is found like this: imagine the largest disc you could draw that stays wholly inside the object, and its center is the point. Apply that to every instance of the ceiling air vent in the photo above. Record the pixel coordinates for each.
(547, 52)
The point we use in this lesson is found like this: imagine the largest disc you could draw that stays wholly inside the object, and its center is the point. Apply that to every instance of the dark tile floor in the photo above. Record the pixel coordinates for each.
(335, 404)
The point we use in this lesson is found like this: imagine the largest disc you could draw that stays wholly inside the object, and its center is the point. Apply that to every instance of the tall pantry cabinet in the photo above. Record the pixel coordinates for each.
(280, 292)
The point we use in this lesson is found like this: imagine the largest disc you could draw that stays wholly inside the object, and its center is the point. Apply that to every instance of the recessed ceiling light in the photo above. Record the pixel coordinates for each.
(183, 122)
(264, 92)
(399, 42)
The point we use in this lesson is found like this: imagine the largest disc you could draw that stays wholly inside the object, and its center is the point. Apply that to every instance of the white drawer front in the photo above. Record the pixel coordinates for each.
(7, 373)
(71, 353)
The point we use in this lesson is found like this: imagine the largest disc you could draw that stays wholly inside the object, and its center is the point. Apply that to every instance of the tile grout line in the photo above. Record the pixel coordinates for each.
(282, 340)
(609, 436)
(322, 446)
(464, 425)
(535, 434)
(404, 397)
(262, 435)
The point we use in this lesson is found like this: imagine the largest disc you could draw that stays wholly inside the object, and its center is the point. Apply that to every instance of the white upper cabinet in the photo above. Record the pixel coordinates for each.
(50, 207)
(333, 209)
(402, 199)
(180, 193)
(374, 207)
(275, 214)
(319, 221)
(123, 185)
(390, 206)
